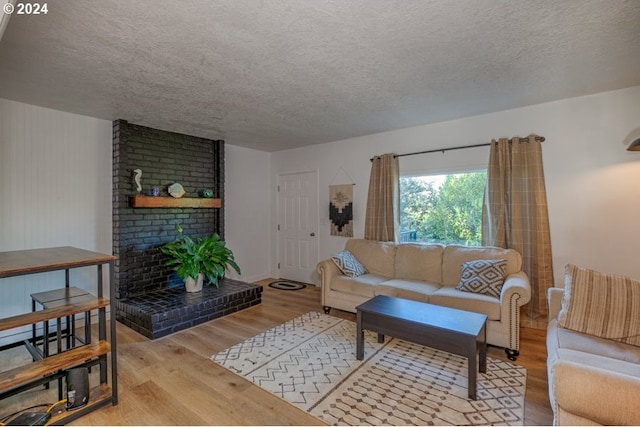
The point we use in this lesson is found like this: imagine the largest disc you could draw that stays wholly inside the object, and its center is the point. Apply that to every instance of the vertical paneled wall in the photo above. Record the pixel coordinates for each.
(55, 190)
(164, 158)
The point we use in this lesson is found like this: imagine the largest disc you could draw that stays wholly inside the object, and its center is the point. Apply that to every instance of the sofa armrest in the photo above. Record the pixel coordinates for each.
(606, 397)
(516, 286)
(554, 299)
(327, 270)
(516, 292)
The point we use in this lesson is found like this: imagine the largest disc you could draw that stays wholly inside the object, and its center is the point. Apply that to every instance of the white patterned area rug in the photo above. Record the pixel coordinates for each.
(310, 362)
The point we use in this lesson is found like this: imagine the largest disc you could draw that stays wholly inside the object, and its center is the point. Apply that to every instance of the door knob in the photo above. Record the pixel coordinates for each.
(312, 234)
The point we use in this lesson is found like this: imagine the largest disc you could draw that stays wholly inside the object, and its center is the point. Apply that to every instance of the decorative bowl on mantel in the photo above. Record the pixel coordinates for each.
(176, 190)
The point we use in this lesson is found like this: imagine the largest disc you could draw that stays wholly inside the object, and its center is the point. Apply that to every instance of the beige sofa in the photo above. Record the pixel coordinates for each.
(430, 273)
(592, 380)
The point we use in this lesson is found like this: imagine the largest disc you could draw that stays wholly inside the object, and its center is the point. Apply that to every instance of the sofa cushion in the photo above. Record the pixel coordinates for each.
(377, 257)
(408, 289)
(455, 255)
(362, 286)
(483, 276)
(478, 303)
(348, 264)
(419, 262)
(603, 305)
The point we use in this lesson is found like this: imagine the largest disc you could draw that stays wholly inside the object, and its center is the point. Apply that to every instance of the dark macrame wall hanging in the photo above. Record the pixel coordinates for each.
(341, 209)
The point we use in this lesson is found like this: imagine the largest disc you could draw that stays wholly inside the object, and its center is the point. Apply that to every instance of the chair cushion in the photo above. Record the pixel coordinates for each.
(566, 339)
(348, 264)
(603, 305)
(483, 276)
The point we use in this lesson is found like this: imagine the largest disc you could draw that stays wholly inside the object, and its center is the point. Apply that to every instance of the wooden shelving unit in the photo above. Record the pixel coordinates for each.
(139, 201)
(45, 369)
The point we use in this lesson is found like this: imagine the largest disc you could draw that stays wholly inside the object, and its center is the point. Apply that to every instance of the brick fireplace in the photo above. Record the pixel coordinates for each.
(150, 297)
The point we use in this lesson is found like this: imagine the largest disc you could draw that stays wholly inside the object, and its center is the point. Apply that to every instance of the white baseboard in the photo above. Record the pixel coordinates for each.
(255, 278)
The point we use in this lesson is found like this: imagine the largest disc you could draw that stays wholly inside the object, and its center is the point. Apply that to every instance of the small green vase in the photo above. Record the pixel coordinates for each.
(205, 193)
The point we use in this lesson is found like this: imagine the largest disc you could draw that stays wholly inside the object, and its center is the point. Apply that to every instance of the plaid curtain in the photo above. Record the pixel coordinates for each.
(383, 202)
(514, 213)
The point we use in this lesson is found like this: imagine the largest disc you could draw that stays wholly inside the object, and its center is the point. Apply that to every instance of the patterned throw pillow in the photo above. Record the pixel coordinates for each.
(483, 276)
(604, 305)
(348, 264)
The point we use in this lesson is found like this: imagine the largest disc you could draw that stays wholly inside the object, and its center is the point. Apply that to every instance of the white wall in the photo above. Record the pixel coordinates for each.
(55, 190)
(248, 211)
(55, 182)
(593, 184)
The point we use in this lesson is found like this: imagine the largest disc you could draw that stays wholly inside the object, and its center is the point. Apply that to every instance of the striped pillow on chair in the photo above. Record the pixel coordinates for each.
(604, 305)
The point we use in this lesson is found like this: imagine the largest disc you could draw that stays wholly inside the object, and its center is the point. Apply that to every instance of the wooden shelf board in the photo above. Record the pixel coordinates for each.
(98, 396)
(38, 369)
(139, 201)
(52, 313)
(29, 261)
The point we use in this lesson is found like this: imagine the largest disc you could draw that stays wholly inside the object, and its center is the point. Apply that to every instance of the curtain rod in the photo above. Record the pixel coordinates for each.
(442, 150)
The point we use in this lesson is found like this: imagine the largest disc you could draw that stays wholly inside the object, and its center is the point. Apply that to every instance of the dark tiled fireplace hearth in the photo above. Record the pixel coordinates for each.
(163, 312)
(150, 297)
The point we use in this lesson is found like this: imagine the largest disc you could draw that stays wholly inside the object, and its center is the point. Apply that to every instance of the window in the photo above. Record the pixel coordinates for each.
(442, 208)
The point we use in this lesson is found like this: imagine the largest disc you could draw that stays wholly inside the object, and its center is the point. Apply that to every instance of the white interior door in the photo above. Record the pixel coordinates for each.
(298, 225)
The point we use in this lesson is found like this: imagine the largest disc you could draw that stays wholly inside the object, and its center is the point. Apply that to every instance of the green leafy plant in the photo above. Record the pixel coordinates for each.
(191, 256)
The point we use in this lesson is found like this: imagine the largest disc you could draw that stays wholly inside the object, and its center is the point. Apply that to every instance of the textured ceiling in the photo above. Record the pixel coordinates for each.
(278, 74)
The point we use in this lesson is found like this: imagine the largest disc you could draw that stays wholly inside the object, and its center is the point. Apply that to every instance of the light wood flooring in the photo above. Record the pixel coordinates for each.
(171, 381)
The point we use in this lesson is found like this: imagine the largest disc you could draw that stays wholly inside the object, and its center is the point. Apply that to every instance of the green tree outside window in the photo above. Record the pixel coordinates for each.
(442, 209)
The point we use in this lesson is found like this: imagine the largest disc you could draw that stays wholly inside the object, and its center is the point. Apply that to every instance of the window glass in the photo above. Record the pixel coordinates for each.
(442, 208)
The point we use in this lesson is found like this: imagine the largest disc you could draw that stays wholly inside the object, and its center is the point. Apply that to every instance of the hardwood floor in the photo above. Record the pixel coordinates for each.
(171, 381)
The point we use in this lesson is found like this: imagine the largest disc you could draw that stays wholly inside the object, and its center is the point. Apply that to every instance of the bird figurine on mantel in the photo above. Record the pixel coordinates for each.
(137, 174)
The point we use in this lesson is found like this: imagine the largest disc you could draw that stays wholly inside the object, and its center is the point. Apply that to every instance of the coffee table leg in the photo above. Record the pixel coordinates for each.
(472, 350)
(359, 337)
(380, 338)
(483, 350)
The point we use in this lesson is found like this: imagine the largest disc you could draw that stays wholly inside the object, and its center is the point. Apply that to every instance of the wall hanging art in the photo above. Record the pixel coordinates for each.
(341, 209)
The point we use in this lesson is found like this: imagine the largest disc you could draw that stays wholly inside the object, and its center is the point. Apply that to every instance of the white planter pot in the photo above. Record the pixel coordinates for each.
(192, 285)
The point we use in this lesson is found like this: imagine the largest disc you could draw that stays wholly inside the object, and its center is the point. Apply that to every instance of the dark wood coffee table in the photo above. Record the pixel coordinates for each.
(459, 332)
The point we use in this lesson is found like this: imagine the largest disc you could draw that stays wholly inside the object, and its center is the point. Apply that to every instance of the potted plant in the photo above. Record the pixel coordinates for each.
(194, 259)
